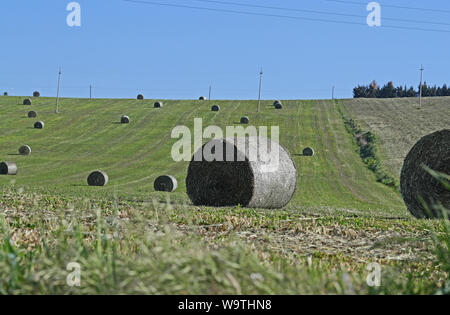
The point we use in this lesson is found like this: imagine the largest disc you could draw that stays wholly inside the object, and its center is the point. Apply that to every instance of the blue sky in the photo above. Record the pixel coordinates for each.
(163, 52)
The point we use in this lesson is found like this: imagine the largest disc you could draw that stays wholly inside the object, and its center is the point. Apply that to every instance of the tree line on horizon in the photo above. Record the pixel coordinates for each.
(373, 90)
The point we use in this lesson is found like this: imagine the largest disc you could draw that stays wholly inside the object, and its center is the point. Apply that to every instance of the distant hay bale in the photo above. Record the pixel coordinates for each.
(266, 180)
(245, 120)
(32, 114)
(278, 106)
(420, 189)
(27, 101)
(215, 108)
(166, 183)
(308, 151)
(39, 125)
(97, 178)
(140, 97)
(25, 150)
(202, 98)
(36, 94)
(5, 94)
(8, 168)
(125, 120)
(276, 102)
(158, 104)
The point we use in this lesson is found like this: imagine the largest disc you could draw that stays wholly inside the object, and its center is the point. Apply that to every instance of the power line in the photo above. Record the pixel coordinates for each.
(281, 16)
(392, 6)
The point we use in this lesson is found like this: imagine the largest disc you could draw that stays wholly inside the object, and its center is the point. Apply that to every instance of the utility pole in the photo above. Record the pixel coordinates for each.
(421, 80)
(57, 94)
(332, 93)
(260, 87)
(90, 92)
(210, 88)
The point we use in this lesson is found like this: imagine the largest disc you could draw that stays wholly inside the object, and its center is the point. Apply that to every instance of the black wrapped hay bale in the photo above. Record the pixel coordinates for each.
(278, 106)
(36, 94)
(158, 104)
(245, 120)
(8, 168)
(25, 150)
(5, 94)
(308, 151)
(202, 98)
(267, 181)
(276, 102)
(27, 101)
(215, 108)
(140, 97)
(420, 189)
(97, 178)
(166, 183)
(39, 125)
(125, 120)
(32, 114)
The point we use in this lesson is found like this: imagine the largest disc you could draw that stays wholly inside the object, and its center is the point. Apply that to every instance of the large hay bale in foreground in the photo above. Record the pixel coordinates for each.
(202, 98)
(25, 150)
(27, 101)
(420, 189)
(166, 183)
(251, 176)
(97, 178)
(8, 168)
(308, 151)
(215, 108)
(36, 94)
(125, 120)
(158, 104)
(39, 125)
(140, 97)
(32, 114)
(245, 120)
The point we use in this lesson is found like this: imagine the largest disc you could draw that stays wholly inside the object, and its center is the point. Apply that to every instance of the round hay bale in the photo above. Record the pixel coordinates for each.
(215, 108)
(158, 104)
(202, 98)
(125, 120)
(5, 94)
(278, 106)
(8, 168)
(308, 151)
(25, 150)
(27, 101)
(39, 125)
(36, 94)
(32, 114)
(97, 178)
(140, 97)
(419, 189)
(166, 183)
(260, 182)
(245, 120)
(276, 102)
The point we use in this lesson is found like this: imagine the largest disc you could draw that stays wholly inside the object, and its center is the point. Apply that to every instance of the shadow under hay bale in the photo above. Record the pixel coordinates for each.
(166, 183)
(308, 151)
(125, 120)
(158, 104)
(25, 150)
(255, 176)
(32, 114)
(215, 108)
(27, 101)
(36, 94)
(98, 178)
(418, 187)
(140, 97)
(245, 120)
(39, 125)
(202, 98)
(8, 168)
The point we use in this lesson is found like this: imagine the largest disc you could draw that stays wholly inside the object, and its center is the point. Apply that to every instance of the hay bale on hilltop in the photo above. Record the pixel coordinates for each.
(308, 151)
(166, 183)
(125, 120)
(140, 97)
(158, 104)
(39, 125)
(215, 108)
(420, 189)
(202, 98)
(8, 168)
(254, 176)
(98, 178)
(32, 114)
(27, 101)
(36, 94)
(245, 120)
(25, 150)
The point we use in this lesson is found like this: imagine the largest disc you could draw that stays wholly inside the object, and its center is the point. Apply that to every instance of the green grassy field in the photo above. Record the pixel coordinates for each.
(130, 239)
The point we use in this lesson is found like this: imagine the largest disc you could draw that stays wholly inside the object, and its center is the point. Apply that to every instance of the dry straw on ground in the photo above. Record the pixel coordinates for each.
(245, 120)
(25, 150)
(166, 183)
(215, 108)
(308, 151)
(125, 120)
(420, 190)
(242, 179)
(158, 104)
(39, 125)
(27, 101)
(32, 114)
(97, 178)
(8, 168)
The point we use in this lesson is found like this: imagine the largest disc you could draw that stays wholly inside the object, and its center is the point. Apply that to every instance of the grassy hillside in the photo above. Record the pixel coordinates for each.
(130, 239)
